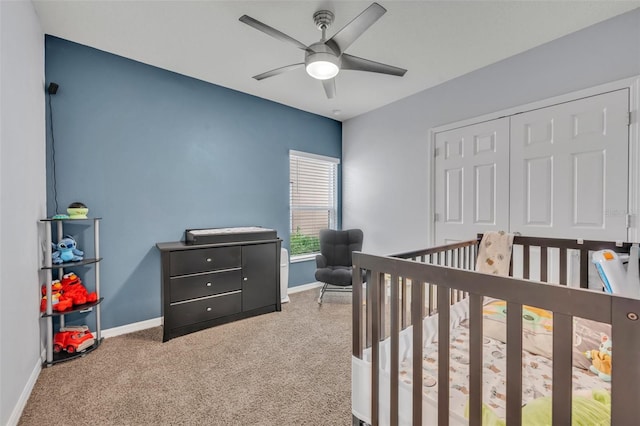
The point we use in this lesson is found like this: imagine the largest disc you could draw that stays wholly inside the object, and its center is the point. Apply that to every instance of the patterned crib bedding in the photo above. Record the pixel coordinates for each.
(536, 373)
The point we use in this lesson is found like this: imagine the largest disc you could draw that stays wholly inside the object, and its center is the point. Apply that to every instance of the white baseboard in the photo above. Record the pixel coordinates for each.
(155, 322)
(24, 396)
(304, 287)
(130, 328)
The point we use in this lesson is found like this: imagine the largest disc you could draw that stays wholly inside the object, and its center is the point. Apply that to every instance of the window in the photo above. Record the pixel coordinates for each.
(313, 198)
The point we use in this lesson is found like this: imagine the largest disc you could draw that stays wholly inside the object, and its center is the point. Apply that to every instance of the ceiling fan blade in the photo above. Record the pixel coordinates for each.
(277, 71)
(354, 29)
(329, 87)
(271, 31)
(350, 62)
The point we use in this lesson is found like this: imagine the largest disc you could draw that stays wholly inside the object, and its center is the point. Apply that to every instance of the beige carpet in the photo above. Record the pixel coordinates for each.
(285, 368)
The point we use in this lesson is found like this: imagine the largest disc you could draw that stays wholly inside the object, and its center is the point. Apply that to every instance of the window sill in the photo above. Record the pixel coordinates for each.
(303, 257)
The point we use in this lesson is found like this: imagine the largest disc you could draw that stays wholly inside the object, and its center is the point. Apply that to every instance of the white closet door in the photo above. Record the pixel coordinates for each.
(472, 181)
(569, 169)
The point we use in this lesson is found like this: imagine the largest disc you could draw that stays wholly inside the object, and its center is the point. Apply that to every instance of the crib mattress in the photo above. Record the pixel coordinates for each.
(536, 373)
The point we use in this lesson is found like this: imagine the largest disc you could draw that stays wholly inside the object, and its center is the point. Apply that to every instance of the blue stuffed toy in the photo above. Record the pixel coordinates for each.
(66, 251)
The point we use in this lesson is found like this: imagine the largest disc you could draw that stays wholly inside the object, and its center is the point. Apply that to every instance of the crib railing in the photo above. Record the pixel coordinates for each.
(534, 258)
(460, 255)
(401, 290)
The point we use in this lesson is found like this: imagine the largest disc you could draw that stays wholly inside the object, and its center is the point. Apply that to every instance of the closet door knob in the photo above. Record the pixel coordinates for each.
(245, 279)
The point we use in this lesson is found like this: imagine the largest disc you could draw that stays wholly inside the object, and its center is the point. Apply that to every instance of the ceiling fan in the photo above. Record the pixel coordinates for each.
(324, 59)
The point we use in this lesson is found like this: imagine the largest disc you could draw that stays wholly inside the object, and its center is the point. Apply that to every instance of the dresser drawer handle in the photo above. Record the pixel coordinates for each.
(208, 309)
(209, 259)
(208, 284)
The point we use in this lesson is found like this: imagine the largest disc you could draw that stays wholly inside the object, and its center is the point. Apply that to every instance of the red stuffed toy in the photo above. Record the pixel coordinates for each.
(67, 293)
(56, 293)
(73, 289)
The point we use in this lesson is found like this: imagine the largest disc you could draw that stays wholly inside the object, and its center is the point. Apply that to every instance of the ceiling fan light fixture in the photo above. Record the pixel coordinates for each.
(322, 65)
(322, 70)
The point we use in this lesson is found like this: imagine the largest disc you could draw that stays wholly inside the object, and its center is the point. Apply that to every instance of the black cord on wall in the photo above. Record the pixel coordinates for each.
(52, 90)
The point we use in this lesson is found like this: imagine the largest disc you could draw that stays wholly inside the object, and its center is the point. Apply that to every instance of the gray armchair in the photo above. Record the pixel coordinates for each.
(334, 264)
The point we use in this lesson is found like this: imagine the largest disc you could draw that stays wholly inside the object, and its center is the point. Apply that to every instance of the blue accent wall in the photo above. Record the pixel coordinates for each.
(153, 152)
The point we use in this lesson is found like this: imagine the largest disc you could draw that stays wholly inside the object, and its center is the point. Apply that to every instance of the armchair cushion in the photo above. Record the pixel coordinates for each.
(335, 275)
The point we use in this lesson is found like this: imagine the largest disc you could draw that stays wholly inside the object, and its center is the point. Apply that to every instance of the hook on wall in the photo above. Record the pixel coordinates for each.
(53, 88)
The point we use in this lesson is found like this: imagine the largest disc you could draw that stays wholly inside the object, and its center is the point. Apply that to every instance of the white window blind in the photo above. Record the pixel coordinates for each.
(313, 199)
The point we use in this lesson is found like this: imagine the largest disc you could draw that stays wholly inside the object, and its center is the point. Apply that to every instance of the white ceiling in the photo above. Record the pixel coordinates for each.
(435, 40)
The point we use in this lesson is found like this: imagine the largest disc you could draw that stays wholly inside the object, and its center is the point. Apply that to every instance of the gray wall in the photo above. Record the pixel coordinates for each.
(22, 190)
(385, 160)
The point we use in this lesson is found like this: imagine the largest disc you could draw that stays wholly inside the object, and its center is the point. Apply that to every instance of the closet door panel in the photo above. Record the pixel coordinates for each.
(484, 196)
(569, 169)
(538, 191)
(453, 196)
(472, 181)
(588, 188)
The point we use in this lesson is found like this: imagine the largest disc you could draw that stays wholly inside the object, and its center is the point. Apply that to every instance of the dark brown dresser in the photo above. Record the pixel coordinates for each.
(218, 276)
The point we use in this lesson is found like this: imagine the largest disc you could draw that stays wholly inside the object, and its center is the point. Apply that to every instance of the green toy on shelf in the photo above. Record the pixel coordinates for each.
(77, 210)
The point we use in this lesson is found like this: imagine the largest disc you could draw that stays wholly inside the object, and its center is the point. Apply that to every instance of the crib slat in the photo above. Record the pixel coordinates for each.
(382, 297)
(584, 268)
(375, 346)
(443, 356)
(423, 305)
(543, 264)
(357, 312)
(475, 360)
(511, 263)
(514, 363)
(430, 301)
(368, 316)
(525, 262)
(403, 287)
(433, 303)
(467, 257)
(563, 266)
(472, 257)
(395, 349)
(625, 380)
(458, 257)
(459, 265)
(452, 296)
(417, 301)
(562, 372)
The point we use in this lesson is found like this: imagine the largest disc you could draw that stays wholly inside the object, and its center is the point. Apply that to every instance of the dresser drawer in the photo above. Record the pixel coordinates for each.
(186, 313)
(205, 284)
(203, 260)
